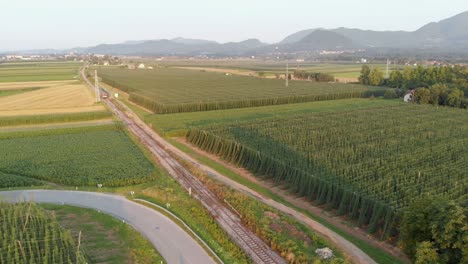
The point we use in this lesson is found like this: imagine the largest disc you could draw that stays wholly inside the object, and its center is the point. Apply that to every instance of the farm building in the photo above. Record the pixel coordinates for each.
(141, 66)
(131, 66)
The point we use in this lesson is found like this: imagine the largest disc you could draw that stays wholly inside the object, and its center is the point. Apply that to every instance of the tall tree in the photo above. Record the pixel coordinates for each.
(365, 73)
(376, 77)
(422, 96)
(396, 79)
(455, 98)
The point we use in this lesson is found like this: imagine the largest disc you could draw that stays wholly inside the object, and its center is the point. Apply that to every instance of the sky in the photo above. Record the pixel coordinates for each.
(61, 24)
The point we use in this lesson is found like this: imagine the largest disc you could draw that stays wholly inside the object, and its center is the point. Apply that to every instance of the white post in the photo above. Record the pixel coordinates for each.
(287, 74)
(96, 87)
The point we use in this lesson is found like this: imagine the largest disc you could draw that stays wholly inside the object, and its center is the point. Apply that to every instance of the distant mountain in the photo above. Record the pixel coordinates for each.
(449, 33)
(192, 41)
(296, 36)
(321, 40)
(177, 47)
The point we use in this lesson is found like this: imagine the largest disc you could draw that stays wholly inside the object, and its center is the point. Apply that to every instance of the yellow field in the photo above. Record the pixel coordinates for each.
(66, 98)
(22, 85)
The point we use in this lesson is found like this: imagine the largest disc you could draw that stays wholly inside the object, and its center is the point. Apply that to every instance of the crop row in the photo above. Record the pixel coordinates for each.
(28, 234)
(76, 157)
(53, 118)
(174, 90)
(367, 164)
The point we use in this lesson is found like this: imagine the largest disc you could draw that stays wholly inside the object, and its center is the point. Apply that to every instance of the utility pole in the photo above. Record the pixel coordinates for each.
(96, 87)
(387, 75)
(287, 74)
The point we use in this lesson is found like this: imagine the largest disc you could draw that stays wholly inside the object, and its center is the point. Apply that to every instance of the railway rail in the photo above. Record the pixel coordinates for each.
(254, 247)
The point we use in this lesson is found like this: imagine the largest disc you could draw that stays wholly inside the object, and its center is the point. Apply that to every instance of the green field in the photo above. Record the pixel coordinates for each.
(73, 156)
(104, 239)
(365, 163)
(168, 90)
(178, 124)
(338, 69)
(38, 71)
(29, 234)
(53, 118)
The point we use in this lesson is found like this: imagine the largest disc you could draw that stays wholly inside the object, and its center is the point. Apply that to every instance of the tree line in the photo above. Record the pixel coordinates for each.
(432, 85)
(314, 76)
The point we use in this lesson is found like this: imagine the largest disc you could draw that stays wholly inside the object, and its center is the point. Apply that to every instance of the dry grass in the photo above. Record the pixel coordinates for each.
(22, 85)
(67, 98)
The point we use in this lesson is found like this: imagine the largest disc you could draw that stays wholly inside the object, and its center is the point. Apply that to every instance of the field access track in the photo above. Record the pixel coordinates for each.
(258, 251)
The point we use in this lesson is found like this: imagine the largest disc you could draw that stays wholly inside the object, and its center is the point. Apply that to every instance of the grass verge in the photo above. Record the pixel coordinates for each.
(104, 238)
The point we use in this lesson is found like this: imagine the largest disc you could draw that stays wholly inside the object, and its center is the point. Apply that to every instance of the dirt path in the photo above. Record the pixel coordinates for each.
(298, 202)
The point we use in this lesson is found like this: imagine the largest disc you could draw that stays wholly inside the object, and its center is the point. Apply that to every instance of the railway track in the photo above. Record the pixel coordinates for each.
(252, 245)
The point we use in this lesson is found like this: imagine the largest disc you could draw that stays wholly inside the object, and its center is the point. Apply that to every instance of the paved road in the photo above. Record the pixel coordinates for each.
(172, 242)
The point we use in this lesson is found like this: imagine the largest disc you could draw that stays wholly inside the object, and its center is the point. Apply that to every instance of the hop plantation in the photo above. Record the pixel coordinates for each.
(367, 164)
(28, 234)
(168, 90)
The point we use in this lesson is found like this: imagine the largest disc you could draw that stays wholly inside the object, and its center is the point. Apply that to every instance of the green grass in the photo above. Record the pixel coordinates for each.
(167, 90)
(76, 156)
(105, 239)
(53, 118)
(38, 71)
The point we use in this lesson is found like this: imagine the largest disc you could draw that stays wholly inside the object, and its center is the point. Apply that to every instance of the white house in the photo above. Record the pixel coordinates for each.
(141, 66)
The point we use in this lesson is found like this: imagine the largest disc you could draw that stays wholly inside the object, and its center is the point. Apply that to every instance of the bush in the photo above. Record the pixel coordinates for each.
(390, 94)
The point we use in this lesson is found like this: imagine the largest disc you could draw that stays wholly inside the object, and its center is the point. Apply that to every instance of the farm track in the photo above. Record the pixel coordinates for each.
(258, 251)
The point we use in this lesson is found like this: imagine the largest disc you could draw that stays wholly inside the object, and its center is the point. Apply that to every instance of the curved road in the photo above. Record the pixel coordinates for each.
(172, 242)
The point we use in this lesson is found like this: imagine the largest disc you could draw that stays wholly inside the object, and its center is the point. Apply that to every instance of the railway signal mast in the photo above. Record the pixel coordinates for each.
(96, 87)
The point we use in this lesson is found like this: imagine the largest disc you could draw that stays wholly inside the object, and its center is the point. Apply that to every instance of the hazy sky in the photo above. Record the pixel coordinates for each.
(27, 24)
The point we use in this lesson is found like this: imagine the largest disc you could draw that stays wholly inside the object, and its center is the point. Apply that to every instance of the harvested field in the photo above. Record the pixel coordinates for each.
(22, 85)
(68, 98)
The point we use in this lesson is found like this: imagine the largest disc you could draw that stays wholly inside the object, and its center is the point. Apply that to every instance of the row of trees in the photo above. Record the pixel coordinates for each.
(314, 76)
(435, 230)
(432, 85)
(371, 77)
(440, 94)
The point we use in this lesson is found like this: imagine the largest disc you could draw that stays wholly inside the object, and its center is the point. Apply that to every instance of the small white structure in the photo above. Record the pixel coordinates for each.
(150, 67)
(324, 253)
(141, 66)
(409, 96)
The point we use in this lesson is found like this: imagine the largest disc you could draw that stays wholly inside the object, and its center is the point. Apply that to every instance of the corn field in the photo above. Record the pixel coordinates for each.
(75, 157)
(366, 164)
(28, 234)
